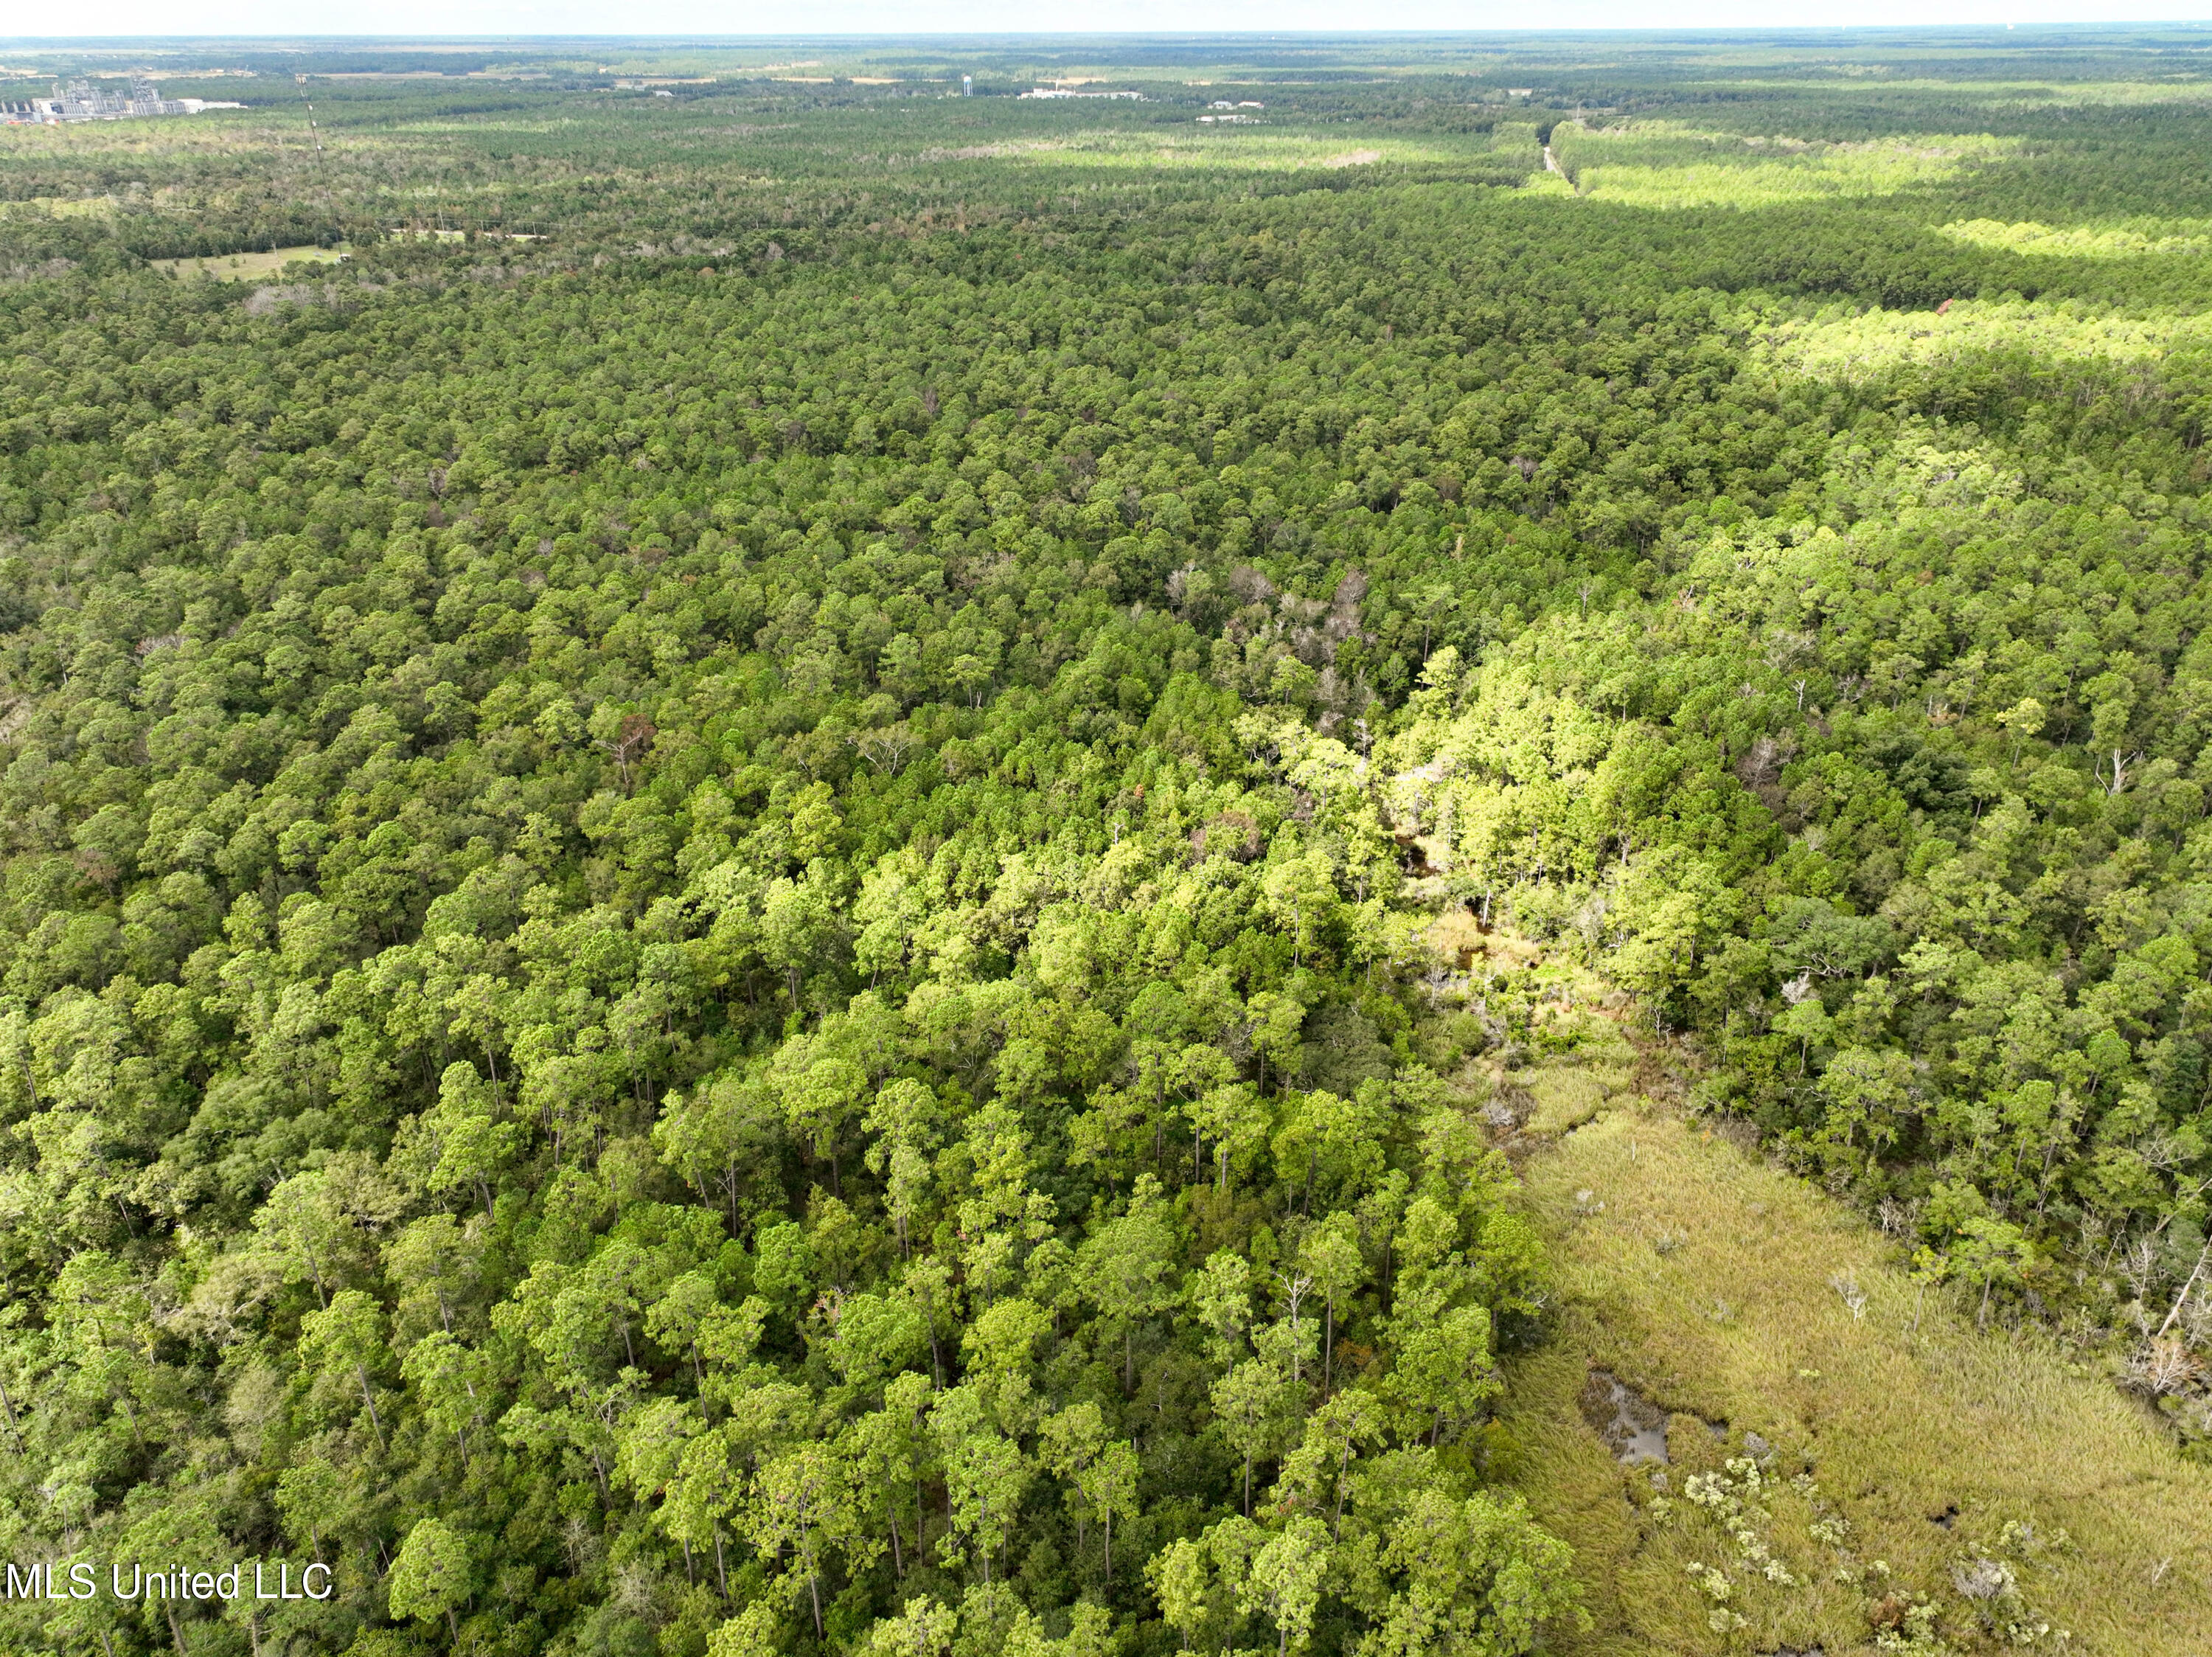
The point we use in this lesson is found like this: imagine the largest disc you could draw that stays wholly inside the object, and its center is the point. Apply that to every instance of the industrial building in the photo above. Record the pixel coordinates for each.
(80, 100)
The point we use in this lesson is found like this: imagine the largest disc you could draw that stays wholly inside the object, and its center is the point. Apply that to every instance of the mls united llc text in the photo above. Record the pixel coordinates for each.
(82, 1581)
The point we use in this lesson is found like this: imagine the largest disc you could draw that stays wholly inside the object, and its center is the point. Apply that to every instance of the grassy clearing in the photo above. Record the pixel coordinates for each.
(249, 267)
(1706, 1279)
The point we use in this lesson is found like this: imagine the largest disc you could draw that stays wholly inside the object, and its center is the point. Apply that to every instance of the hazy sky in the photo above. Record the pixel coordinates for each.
(428, 17)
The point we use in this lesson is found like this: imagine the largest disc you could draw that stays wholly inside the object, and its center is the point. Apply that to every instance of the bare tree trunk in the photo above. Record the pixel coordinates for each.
(366, 1398)
(2179, 1300)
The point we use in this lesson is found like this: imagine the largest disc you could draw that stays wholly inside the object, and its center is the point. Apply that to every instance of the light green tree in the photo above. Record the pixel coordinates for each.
(1255, 1406)
(1441, 1375)
(802, 1502)
(907, 1121)
(342, 1341)
(1104, 1473)
(1331, 1254)
(432, 1577)
(923, 1629)
(1127, 1269)
(892, 1449)
(1286, 1580)
(1300, 892)
(1318, 1473)
(1475, 1577)
(443, 1374)
(751, 1633)
(985, 1474)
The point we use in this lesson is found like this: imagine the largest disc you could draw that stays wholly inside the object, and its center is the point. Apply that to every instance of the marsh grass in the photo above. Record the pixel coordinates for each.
(1565, 1097)
(1653, 1219)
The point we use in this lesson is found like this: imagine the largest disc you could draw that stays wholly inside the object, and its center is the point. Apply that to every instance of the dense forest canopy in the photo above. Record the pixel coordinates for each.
(716, 873)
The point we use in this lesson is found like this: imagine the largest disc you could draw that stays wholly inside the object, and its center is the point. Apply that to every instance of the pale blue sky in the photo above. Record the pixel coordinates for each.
(419, 18)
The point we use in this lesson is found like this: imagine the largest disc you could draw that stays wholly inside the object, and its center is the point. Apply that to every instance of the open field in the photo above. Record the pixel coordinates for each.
(250, 267)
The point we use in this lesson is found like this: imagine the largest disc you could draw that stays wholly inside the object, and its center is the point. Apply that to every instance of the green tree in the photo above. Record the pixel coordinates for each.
(340, 1342)
(1331, 1254)
(1127, 1269)
(1286, 1581)
(1254, 1405)
(986, 1475)
(802, 1502)
(432, 1576)
(1474, 1577)
(1441, 1375)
